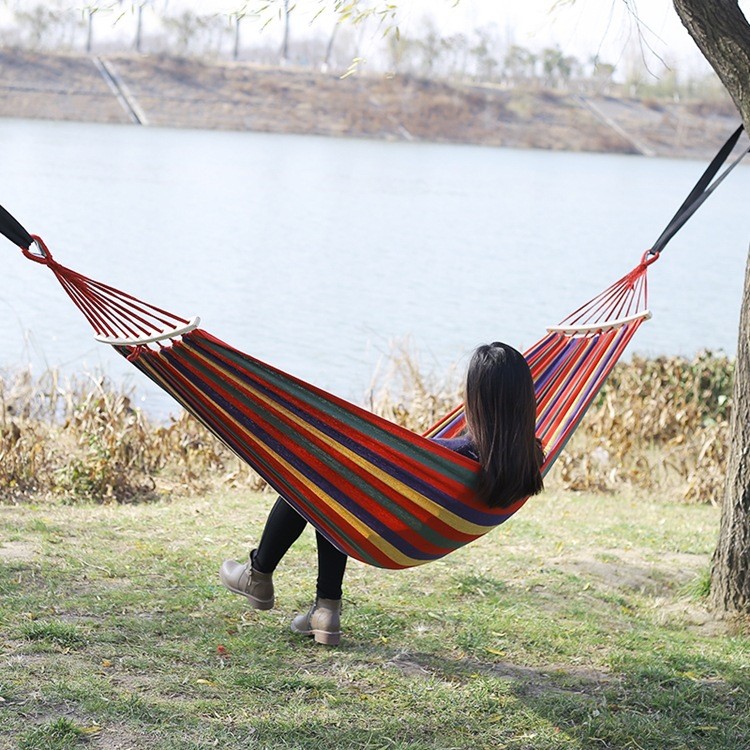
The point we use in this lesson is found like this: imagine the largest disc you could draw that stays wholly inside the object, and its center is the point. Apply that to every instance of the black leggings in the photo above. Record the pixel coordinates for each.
(283, 528)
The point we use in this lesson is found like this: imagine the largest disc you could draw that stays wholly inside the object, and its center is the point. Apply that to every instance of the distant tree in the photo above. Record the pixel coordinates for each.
(285, 40)
(401, 50)
(138, 43)
(432, 48)
(519, 64)
(89, 28)
(326, 64)
(570, 67)
(89, 11)
(483, 52)
(602, 74)
(38, 24)
(551, 60)
(455, 53)
(184, 27)
(558, 68)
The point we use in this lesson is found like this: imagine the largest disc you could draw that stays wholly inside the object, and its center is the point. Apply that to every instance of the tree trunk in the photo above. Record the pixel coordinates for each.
(730, 573)
(90, 32)
(285, 41)
(139, 28)
(329, 49)
(722, 33)
(236, 47)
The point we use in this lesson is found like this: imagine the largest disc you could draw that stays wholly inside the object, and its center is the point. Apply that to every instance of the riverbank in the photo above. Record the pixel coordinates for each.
(580, 623)
(187, 93)
(659, 426)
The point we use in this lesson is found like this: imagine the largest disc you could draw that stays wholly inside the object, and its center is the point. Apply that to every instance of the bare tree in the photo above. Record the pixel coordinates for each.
(431, 48)
(325, 65)
(483, 52)
(236, 18)
(42, 26)
(520, 64)
(38, 21)
(185, 27)
(602, 74)
(138, 44)
(89, 11)
(285, 40)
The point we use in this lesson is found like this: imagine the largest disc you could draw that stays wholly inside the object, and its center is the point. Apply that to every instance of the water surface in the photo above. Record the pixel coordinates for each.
(314, 254)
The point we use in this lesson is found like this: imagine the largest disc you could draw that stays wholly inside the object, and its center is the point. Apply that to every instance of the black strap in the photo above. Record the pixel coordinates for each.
(14, 231)
(703, 188)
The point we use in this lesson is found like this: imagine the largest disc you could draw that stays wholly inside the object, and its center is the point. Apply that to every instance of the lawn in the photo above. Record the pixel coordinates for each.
(579, 624)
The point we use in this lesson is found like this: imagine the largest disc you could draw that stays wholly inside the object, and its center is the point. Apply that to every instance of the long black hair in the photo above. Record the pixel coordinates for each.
(500, 417)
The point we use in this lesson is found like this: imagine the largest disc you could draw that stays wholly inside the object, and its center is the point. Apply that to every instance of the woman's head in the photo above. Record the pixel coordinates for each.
(501, 417)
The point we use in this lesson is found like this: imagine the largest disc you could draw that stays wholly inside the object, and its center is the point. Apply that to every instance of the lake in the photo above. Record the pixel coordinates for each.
(316, 254)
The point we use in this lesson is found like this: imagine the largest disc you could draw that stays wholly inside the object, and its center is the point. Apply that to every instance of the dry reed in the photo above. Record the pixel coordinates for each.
(83, 440)
(658, 424)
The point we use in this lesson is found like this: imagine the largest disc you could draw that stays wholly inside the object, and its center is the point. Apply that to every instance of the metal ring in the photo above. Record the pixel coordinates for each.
(43, 255)
(649, 257)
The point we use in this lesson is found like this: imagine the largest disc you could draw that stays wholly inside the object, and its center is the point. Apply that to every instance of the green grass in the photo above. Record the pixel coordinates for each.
(61, 734)
(579, 624)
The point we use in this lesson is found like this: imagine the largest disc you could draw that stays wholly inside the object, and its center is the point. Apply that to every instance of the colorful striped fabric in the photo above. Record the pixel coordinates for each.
(379, 492)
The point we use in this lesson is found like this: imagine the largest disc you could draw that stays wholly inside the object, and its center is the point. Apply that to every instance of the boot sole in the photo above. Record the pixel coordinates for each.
(255, 603)
(321, 636)
(326, 638)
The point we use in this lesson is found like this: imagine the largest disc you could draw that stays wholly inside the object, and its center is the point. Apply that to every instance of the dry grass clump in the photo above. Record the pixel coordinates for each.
(83, 440)
(404, 393)
(659, 424)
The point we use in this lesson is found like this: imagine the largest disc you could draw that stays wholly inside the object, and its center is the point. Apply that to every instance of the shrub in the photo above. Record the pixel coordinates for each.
(658, 424)
(83, 440)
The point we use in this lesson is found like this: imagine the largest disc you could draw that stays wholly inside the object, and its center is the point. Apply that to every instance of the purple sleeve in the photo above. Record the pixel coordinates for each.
(462, 445)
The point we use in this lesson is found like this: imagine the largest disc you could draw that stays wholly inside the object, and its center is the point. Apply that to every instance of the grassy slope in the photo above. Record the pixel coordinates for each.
(574, 626)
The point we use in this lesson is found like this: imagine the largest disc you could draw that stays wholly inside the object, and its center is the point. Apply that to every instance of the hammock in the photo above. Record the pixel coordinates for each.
(378, 492)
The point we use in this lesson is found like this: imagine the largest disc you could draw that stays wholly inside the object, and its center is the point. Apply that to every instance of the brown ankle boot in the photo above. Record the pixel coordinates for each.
(322, 622)
(249, 582)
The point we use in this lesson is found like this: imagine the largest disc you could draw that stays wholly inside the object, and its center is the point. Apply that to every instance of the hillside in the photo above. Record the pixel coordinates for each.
(187, 93)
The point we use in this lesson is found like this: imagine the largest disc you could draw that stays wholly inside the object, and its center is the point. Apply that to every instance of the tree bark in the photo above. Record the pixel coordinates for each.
(722, 34)
(730, 573)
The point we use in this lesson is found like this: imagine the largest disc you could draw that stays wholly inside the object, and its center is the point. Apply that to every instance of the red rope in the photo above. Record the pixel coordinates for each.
(110, 312)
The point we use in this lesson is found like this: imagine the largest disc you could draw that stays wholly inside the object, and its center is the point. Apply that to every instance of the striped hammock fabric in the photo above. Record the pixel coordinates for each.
(378, 492)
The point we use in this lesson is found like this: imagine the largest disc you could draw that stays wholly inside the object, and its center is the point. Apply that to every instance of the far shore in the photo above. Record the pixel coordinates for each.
(190, 93)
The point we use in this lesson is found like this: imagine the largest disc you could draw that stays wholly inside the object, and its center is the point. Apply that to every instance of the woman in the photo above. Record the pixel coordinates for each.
(500, 410)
